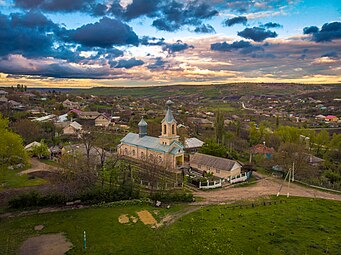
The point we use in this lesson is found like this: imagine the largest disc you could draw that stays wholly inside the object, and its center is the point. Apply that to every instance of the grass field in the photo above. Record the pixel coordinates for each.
(299, 226)
(11, 179)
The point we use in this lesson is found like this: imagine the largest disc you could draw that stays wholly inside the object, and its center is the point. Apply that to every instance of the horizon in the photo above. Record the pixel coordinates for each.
(142, 43)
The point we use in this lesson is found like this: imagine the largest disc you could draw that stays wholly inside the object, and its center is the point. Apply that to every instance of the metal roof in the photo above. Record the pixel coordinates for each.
(193, 143)
(142, 123)
(212, 161)
(149, 142)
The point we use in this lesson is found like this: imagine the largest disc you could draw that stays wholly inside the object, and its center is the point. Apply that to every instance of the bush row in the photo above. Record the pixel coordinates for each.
(178, 196)
(35, 199)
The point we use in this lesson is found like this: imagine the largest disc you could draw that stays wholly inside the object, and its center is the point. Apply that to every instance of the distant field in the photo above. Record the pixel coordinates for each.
(299, 226)
(214, 91)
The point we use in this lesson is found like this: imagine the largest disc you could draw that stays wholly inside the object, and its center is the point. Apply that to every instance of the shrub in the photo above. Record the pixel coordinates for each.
(34, 198)
(179, 196)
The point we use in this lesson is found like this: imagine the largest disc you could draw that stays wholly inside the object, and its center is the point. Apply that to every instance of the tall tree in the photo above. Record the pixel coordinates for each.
(219, 127)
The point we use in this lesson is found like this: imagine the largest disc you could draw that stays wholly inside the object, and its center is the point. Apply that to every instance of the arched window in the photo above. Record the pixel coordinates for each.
(142, 154)
(125, 151)
(173, 129)
(133, 152)
(164, 129)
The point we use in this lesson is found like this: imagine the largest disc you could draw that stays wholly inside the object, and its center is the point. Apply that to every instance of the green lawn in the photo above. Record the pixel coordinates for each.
(300, 226)
(11, 179)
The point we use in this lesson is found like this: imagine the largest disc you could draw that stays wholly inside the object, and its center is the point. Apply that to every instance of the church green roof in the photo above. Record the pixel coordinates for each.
(152, 143)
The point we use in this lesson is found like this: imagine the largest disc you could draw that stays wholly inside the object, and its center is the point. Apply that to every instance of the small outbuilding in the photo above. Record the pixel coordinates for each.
(220, 167)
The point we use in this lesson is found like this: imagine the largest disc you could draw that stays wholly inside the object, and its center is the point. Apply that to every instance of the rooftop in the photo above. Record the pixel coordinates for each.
(149, 142)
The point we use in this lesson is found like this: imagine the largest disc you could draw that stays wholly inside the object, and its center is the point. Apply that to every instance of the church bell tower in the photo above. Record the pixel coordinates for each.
(168, 127)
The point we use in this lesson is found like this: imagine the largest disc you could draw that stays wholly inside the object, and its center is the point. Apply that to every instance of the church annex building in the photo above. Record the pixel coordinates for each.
(165, 150)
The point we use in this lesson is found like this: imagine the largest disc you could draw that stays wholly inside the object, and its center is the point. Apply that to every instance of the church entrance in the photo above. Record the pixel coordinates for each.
(179, 161)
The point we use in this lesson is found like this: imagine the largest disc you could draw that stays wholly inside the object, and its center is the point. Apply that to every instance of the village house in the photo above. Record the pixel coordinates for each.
(74, 128)
(193, 144)
(70, 105)
(262, 149)
(164, 150)
(220, 167)
(102, 120)
(331, 118)
(201, 122)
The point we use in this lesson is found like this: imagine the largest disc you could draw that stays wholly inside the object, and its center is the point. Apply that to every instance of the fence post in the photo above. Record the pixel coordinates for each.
(199, 184)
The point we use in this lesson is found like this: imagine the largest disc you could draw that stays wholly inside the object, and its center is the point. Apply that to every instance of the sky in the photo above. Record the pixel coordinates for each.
(88, 43)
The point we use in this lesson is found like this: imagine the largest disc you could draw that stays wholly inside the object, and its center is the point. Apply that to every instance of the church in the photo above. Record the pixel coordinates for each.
(164, 150)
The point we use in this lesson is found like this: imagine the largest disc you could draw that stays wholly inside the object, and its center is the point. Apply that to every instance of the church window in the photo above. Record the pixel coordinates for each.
(142, 154)
(126, 151)
(173, 129)
(164, 129)
(133, 152)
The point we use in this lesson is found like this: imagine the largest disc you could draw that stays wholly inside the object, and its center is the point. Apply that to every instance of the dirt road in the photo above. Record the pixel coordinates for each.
(37, 166)
(264, 187)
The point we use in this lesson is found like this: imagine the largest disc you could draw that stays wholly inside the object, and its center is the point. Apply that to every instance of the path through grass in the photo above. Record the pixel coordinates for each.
(299, 226)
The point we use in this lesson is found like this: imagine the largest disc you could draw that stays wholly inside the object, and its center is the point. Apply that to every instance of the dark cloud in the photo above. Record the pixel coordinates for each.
(20, 35)
(165, 25)
(328, 32)
(174, 47)
(243, 47)
(99, 10)
(271, 25)
(126, 63)
(310, 30)
(152, 41)
(105, 33)
(32, 19)
(141, 7)
(332, 54)
(204, 29)
(159, 64)
(173, 15)
(235, 20)
(56, 5)
(257, 34)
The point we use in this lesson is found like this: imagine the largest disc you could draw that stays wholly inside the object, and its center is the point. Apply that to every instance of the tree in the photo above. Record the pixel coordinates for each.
(321, 140)
(11, 145)
(28, 129)
(294, 153)
(41, 151)
(212, 148)
(219, 127)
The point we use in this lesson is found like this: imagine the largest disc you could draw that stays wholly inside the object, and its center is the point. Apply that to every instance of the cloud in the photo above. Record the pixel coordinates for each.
(310, 30)
(152, 41)
(271, 25)
(243, 46)
(56, 5)
(178, 46)
(332, 54)
(126, 63)
(328, 32)
(173, 15)
(235, 20)
(105, 33)
(204, 29)
(25, 34)
(159, 64)
(257, 34)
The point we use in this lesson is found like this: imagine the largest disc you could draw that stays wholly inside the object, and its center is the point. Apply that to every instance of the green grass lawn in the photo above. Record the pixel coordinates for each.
(11, 179)
(300, 226)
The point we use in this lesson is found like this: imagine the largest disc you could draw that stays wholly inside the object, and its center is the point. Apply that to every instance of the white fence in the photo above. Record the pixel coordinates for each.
(238, 178)
(208, 185)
